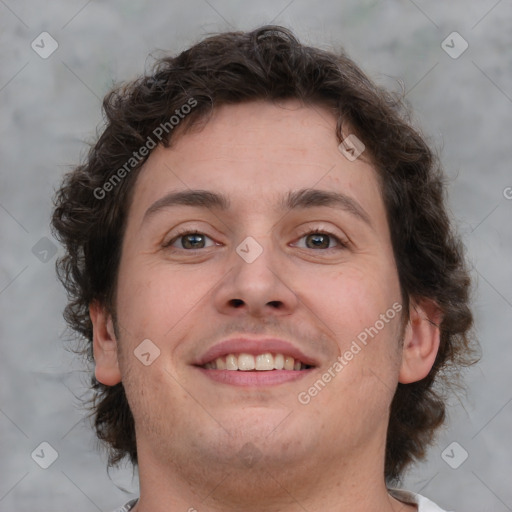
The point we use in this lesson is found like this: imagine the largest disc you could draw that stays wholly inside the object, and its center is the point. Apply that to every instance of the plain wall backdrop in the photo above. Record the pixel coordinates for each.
(51, 106)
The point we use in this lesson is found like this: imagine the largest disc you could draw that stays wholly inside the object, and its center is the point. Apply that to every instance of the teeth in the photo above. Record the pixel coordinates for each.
(246, 362)
(231, 362)
(288, 363)
(265, 362)
(261, 362)
(279, 361)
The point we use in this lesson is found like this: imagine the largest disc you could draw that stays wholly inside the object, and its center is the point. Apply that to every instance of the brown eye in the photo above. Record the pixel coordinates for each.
(318, 241)
(189, 241)
(321, 240)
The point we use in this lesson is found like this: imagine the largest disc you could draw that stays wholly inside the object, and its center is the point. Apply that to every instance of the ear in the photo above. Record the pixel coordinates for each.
(104, 345)
(421, 340)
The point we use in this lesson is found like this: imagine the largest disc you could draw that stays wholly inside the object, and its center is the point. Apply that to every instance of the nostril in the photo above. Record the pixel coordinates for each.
(237, 302)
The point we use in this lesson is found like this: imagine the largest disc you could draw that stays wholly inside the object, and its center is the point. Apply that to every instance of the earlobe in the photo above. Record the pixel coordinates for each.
(421, 341)
(104, 345)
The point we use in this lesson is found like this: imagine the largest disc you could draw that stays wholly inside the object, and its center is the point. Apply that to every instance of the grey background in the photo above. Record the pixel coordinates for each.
(50, 106)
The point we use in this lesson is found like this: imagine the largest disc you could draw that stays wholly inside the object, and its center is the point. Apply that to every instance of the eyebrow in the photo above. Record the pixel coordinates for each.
(293, 200)
(310, 198)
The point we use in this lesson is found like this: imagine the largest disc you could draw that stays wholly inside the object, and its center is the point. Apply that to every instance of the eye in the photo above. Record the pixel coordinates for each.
(189, 240)
(315, 239)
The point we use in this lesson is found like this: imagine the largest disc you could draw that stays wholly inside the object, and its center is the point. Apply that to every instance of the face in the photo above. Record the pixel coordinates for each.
(269, 262)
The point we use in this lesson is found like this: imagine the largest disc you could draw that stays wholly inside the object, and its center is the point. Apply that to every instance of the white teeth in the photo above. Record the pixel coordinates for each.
(288, 363)
(246, 362)
(265, 362)
(261, 362)
(231, 362)
(278, 362)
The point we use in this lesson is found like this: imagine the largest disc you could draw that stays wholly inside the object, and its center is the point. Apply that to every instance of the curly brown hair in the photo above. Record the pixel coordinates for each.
(269, 63)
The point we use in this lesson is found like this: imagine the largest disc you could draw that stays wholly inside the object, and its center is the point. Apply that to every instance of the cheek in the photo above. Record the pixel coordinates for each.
(353, 299)
(362, 309)
(153, 299)
(361, 306)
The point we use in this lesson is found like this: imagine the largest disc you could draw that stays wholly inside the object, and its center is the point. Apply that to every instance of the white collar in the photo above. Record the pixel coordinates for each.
(411, 498)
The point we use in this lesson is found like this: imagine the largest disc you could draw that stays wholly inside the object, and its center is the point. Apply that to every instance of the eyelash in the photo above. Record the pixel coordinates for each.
(341, 244)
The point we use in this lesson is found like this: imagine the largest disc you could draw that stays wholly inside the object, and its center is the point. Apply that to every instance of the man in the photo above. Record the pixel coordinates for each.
(260, 260)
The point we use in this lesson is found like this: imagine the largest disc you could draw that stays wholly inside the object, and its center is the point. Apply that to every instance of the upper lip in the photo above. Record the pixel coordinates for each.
(254, 346)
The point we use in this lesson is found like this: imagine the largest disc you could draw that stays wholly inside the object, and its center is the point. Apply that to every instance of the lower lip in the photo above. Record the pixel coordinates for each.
(254, 378)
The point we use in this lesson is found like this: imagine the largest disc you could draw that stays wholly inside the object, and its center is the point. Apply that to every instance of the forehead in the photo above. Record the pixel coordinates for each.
(255, 153)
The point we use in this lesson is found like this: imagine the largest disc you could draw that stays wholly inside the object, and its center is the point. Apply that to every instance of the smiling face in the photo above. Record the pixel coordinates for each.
(255, 252)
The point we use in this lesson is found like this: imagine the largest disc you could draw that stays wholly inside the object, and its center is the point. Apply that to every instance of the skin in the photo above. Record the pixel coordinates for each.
(326, 455)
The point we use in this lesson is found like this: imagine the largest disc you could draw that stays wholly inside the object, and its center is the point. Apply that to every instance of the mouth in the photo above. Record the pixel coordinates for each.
(255, 370)
(255, 362)
(264, 362)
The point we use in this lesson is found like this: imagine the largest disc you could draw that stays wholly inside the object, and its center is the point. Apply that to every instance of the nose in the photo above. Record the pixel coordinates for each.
(258, 287)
